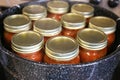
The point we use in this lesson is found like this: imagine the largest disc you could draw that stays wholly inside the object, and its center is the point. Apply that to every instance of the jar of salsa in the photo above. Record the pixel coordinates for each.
(85, 9)
(72, 23)
(92, 44)
(61, 50)
(48, 27)
(28, 45)
(56, 8)
(35, 12)
(107, 25)
(14, 24)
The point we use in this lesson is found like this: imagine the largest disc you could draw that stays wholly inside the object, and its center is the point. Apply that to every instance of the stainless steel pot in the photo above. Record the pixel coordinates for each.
(17, 68)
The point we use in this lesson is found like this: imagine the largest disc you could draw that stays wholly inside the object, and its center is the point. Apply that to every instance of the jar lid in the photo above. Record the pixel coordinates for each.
(103, 23)
(17, 23)
(61, 48)
(92, 39)
(27, 42)
(35, 11)
(73, 21)
(47, 27)
(58, 7)
(85, 9)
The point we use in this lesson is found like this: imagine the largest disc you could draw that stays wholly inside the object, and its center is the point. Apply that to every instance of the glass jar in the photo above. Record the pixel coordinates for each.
(28, 45)
(14, 24)
(61, 50)
(57, 8)
(35, 12)
(85, 9)
(72, 23)
(107, 25)
(92, 44)
(48, 27)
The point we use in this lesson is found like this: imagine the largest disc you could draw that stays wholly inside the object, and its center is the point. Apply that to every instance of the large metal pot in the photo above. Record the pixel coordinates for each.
(17, 68)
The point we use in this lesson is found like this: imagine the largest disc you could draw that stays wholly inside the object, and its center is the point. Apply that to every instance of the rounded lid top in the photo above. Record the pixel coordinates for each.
(73, 21)
(58, 7)
(27, 42)
(17, 23)
(85, 9)
(35, 11)
(61, 48)
(103, 23)
(48, 26)
(92, 39)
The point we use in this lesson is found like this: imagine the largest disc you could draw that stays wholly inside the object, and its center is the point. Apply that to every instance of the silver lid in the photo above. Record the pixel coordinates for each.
(73, 21)
(103, 23)
(61, 48)
(92, 39)
(27, 42)
(47, 27)
(85, 9)
(17, 23)
(34, 12)
(57, 6)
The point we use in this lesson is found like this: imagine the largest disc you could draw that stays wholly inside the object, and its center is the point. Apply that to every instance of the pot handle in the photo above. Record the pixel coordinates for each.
(3, 8)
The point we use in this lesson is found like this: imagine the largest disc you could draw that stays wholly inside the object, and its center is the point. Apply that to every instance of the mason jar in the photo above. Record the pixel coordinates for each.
(28, 45)
(105, 24)
(35, 12)
(48, 27)
(14, 24)
(93, 44)
(85, 9)
(61, 50)
(72, 23)
(56, 8)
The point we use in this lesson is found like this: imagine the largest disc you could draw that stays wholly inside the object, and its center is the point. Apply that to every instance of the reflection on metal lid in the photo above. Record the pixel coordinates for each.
(58, 7)
(62, 48)
(17, 23)
(103, 23)
(73, 21)
(35, 12)
(27, 42)
(92, 39)
(48, 26)
(84, 9)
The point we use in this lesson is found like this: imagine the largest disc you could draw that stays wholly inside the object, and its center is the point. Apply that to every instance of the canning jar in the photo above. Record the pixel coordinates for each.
(61, 50)
(48, 27)
(28, 45)
(72, 23)
(35, 11)
(85, 9)
(57, 8)
(107, 25)
(14, 24)
(92, 44)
